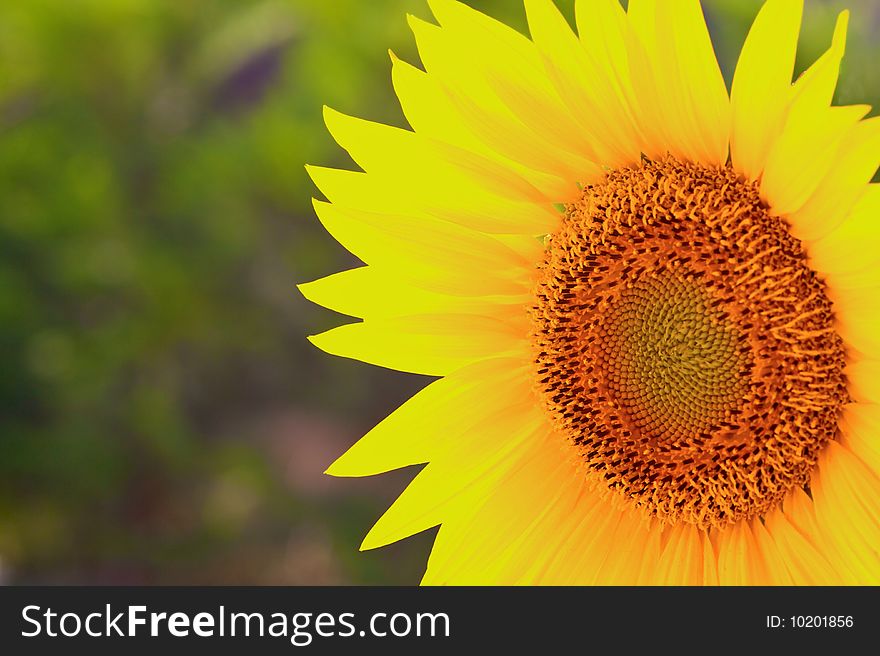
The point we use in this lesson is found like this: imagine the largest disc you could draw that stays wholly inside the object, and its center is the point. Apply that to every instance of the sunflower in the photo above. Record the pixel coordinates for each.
(652, 306)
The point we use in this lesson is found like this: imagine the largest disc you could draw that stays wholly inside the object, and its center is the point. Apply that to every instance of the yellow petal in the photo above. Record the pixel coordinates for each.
(596, 543)
(430, 111)
(622, 563)
(433, 345)
(439, 418)
(861, 433)
(857, 318)
(467, 206)
(584, 87)
(849, 255)
(514, 71)
(767, 549)
(800, 512)
(484, 542)
(369, 292)
(846, 183)
(441, 487)
(740, 561)
(750, 555)
(811, 138)
(496, 81)
(805, 564)
(436, 254)
(710, 560)
(863, 380)
(413, 159)
(528, 557)
(812, 133)
(604, 35)
(847, 502)
(425, 503)
(505, 536)
(682, 94)
(681, 562)
(650, 557)
(762, 84)
(574, 534)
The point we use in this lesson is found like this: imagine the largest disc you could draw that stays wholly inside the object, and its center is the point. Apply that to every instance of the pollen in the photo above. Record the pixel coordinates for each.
(684, 346)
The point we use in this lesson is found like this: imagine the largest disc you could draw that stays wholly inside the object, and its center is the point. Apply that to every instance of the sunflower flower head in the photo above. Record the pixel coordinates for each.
(652, 305)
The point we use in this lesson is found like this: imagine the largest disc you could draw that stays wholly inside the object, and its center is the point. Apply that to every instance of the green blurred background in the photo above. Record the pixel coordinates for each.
(163, 418)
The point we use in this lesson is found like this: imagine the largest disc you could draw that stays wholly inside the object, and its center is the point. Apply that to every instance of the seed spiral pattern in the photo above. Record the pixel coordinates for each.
(684, 345)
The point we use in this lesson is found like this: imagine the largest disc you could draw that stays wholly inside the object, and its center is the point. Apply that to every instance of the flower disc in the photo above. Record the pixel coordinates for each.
(684, 344)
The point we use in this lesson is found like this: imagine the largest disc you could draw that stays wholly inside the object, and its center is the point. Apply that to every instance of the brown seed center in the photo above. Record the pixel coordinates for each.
(685, 346)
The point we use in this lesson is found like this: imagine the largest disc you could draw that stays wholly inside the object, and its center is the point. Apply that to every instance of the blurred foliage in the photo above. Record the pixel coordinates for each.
(154, 219)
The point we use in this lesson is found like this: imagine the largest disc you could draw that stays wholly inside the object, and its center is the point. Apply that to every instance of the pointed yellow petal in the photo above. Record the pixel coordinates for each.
(682, 94)
(701, 77)
(425, 503)
(513, 532)
(413, 159)
(762, 84)
(441, 486)
(584, 87)
(846, 183)
(433, 345)
(812, 133)
(495, 78)
(430, 111)
(368, 292)
(464, 553)
(849, 255)
(819, 81)
(811, 138)
(439, 418)
(515, 73)
(469, 207)
(436, 254)
(605, 35)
